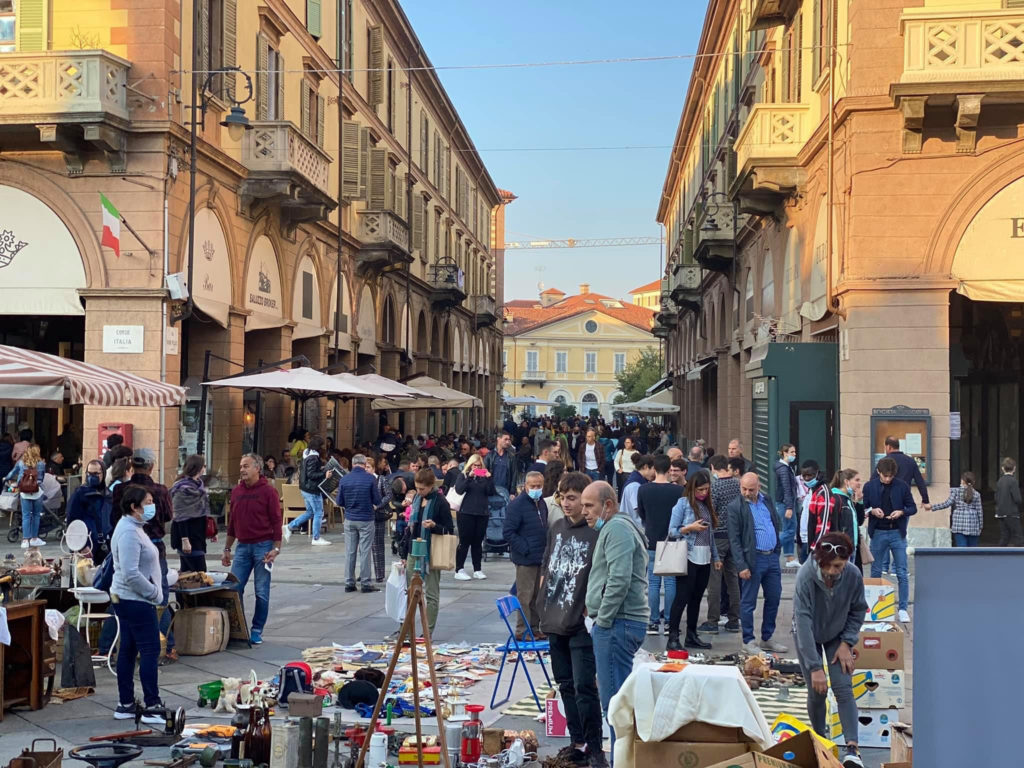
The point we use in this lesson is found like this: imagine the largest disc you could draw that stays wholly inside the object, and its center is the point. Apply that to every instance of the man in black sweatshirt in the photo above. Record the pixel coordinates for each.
(565, 573)
(1008, 506)
(654, 502)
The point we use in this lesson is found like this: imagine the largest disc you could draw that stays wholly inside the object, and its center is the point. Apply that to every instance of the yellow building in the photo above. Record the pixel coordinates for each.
(568, 349)
(648, 295)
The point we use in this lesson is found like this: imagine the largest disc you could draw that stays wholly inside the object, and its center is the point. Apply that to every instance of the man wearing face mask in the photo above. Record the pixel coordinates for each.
(86, 504)
(525, 530)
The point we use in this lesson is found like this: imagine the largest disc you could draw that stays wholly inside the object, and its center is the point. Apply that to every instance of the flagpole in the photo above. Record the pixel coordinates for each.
(142, 242)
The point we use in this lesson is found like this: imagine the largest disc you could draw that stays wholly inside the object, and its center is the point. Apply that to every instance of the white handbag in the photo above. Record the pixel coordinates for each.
(671, 558)
(454, 499)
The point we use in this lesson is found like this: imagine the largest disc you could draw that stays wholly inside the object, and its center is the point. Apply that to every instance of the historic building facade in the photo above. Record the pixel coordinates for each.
(841, 209)
(100, 102)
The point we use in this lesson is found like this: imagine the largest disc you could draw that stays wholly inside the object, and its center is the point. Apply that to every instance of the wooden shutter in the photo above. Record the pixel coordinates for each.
(448, 172)
(787, 44)
(313, 17)
(364, 162)
(204, 39)
(424, 143)
(375, 93)
(262, 77)
(798, 58)
(353, 157)
(32, 32)
(229, 45)
(417, 221)
(437, 161)
(321, 110)
(281, 69)
(816, 40)
(377, 190)
(305, 91)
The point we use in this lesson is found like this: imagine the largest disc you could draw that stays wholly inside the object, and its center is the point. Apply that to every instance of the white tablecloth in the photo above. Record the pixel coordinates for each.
(663, 702)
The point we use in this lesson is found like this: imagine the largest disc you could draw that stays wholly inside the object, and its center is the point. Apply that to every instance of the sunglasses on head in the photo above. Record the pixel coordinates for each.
(840, 550)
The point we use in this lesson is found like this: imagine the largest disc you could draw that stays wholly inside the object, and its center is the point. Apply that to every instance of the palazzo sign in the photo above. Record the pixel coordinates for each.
(987, 262)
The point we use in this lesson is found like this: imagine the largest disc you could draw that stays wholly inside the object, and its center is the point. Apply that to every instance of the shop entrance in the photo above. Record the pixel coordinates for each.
(986, 350)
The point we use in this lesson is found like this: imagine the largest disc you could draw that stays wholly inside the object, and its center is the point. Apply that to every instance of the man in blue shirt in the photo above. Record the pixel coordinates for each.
(359, 496)
(754, 529)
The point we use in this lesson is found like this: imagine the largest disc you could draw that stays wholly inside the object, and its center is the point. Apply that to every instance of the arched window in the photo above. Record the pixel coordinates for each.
(589, 401)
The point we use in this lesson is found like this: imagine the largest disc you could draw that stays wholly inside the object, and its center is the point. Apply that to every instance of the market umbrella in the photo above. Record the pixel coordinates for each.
(385, 387)
(302, 383)
(528, 400)
(441, 396)
(657, 403)
(31, 379)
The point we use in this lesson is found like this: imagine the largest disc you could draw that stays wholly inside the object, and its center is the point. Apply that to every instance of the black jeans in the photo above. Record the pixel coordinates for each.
(472, 529)
(196, 561)
(689, 594)
(575, 672)
(1010, 534)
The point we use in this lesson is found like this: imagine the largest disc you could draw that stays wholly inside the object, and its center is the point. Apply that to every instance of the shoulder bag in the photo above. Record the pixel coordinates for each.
(671, 557)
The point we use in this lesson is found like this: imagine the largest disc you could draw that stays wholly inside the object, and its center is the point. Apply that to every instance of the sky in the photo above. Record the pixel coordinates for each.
(569, 194)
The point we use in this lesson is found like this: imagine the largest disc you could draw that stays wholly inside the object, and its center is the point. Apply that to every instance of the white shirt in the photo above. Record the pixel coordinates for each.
(628, 504)
(591, 457)
(624, 461)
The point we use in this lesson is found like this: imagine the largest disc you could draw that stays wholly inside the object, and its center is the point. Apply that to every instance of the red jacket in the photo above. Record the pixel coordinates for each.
(255, 513)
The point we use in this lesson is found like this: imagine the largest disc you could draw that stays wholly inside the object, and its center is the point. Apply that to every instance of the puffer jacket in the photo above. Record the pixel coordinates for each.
(785, 485)
(526, 529)
(312, 473)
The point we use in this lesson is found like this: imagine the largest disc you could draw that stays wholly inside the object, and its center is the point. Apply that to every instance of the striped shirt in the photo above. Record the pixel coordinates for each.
(765, 536)
(966, 517)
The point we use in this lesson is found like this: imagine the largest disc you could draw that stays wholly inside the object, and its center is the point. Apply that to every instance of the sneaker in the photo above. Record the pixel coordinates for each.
(793, 563)
(731, 627)
(155, 715)
(286, 533)
(36, 542)
(851, 759)
(598, 759)
(752, 648)
(722, 620)
(350, 587)
(773, 646)
(479, 575)
(461, 575)
(256, 637)
(24, 543)
(321, 542)
(654, 628)
(367, 588)
(125, 712)
(709, 627)
(904, 616)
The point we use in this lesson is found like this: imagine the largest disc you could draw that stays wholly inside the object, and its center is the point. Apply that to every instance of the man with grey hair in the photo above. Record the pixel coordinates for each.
(255, 522)
(359, 496)
(526, 531)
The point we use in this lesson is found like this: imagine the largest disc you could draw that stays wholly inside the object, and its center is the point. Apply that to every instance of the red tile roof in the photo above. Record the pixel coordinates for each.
(506, 196)
(552, 292)
(649, 288)
(529, 315)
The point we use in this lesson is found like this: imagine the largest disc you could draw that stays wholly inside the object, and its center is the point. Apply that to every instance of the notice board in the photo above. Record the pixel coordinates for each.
(911, 426)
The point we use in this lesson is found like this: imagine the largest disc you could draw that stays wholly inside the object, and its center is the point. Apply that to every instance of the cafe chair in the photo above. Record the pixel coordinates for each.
(509, 606)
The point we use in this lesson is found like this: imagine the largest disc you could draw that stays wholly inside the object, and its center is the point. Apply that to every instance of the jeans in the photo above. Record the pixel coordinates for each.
(31, 514)
(766, 573)
(689, 594)
(139, 637)
(732, 586)
(472, 529)
(842, 688)
(249, 562)
(593, 474)
(883, 542)
(614, 649)
(314, 509)
(964, 540)
(787, 537)
(574, 670)
(1010, 533)
(804, 553)
(654, 583)
(358, 544)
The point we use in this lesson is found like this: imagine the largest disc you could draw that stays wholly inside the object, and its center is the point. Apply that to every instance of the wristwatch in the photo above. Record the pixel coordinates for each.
(276, 550)
(227, 550)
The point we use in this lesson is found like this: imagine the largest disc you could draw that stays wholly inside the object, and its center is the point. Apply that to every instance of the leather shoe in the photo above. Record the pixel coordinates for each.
(693, 641)
(367, 588)
(350, 587)
(673, 643)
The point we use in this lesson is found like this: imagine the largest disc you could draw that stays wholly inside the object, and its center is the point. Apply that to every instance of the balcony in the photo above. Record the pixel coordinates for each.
(772, 13)
(686, 292)
(715, 235)
(70, 101)
(668, 316)
(385, 239)
(484, 311)
(959, 59)
(767, 151)
(534, 377)
(286, 167)
(448, 285)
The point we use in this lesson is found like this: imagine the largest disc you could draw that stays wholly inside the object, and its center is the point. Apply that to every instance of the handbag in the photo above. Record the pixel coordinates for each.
(9, 501)
(671, 558)
(866, 558)
(211, 528)
(103, 578)
(442, 551)
(454, 499)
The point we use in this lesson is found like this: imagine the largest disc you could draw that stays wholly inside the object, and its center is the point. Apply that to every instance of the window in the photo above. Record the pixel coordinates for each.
(768, 287)
(313, 18)
(269, 80)
(218, 21)
(589, 403)
(749, 295)
(590, 326)
(591, 362)
(7, 25)
(560, 399)
(532, 356)
(822, 19)
(349, 40)
(313, 114)
(620, 362)
(391, 96)
(504, 359)
(792, 61)
(307, 295)
(561, 362)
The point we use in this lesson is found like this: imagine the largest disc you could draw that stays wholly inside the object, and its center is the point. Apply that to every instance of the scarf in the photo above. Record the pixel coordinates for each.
(189, 499)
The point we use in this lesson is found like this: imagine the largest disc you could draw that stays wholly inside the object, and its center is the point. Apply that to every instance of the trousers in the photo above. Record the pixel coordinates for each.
(728, 577)
(575, 671)
(527, 590)
(842, 688)
(358, 546)
(689, 594)
(140, 637)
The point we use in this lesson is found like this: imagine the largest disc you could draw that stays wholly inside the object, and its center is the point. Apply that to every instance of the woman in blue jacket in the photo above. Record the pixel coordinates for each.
(785, 502)
(31, 501)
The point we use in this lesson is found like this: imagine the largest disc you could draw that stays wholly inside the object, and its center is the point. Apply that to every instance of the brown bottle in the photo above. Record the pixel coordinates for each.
(265, 735)
(250, 740)
(240, 720)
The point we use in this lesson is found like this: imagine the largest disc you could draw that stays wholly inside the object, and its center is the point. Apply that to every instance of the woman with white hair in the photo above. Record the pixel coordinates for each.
(476, 483)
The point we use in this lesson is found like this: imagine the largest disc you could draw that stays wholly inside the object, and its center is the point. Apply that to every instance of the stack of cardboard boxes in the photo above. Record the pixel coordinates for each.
(879, 684)
(700, 745)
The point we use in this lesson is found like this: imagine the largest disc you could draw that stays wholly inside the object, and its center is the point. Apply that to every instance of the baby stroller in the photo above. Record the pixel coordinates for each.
(494, 538)
(50, 521)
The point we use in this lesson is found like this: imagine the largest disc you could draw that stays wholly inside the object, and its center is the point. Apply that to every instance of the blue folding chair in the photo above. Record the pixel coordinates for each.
(509, 606)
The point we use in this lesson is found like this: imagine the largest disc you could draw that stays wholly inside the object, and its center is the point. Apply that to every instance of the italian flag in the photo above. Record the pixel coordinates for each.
(111, 226)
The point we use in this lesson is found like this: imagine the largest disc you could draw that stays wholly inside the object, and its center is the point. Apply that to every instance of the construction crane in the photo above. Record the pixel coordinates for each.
(601, 242)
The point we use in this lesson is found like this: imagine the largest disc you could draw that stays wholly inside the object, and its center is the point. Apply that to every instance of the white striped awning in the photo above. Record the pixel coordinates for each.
(36, 379)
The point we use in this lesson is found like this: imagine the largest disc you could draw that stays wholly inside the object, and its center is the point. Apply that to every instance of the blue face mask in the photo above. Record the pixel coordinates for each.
(790, 459)
(812, 482)
(148, 512)
(95, 481)
(535, 493)
(599, 524)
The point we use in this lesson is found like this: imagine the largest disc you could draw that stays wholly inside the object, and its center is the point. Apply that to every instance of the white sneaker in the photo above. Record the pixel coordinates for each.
(773, 646)
(904, 617)
(24, 543)
(752, 648)
(321, 542)
(286, 533)
(792, 563)
(461, 575)
(479, 575)
(37, 542)
(723, 620)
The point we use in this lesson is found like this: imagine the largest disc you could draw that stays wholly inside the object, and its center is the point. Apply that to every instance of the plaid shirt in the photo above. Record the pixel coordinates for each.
(966, 518)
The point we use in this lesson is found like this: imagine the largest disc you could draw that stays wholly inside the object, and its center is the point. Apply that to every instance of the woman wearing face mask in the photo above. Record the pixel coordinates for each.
(87, 503)
(693, 519)
(478, 486)
(836, 508)
(135, 593)
(191, 504)
(785, 502)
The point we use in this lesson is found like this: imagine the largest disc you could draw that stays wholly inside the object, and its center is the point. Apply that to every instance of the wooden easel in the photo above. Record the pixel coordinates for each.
(417, 600)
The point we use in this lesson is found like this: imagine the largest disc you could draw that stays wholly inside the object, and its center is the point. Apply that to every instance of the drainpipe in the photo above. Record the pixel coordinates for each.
(163, 350)
(832, 303)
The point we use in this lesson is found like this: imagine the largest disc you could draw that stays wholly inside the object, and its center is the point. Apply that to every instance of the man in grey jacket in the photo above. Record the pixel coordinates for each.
(828, 611)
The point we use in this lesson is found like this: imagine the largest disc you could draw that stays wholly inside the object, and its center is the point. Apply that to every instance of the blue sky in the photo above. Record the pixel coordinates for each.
(579, 194)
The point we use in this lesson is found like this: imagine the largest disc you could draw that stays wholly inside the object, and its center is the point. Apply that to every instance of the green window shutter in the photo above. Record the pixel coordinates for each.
(305, 92)
(313, 17)
(377, 191)
(352, 186)
(281, 69)
(229, 45)
(32, 25)
(376, 74)
(321, 110)
(262, 77)
(417, 221)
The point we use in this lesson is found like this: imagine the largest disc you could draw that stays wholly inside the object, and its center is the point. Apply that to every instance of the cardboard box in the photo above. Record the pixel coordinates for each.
(686, 754)
(881, 597)
(808, 752)
(704, 733)
(754, 760)
(880, 646)
(874, 729)
(880, 688)
(902, 748)
(305, 705)
(897, 765)
(200, 631)
(786, 727)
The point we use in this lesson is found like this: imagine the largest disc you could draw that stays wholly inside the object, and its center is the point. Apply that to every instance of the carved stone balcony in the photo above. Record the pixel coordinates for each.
(385, 239)
(772, 13)
(715, 237)
(534, 377)
(686, 291)
(958, 58)
(485, 311)
(287, 167)
(668, 316)
(70, 101)
(766, 155)
(448, 285)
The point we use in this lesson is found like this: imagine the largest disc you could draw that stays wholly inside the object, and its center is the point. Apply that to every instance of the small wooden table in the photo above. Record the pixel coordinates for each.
(25, 619)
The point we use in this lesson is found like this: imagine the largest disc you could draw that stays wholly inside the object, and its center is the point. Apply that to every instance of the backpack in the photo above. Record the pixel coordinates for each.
(29, 482)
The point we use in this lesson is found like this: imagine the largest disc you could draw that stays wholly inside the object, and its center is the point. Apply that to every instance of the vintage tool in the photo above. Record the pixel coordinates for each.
(36, 758)
(105, 755)
(471, 732)
(180, 762)
(121, 736)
